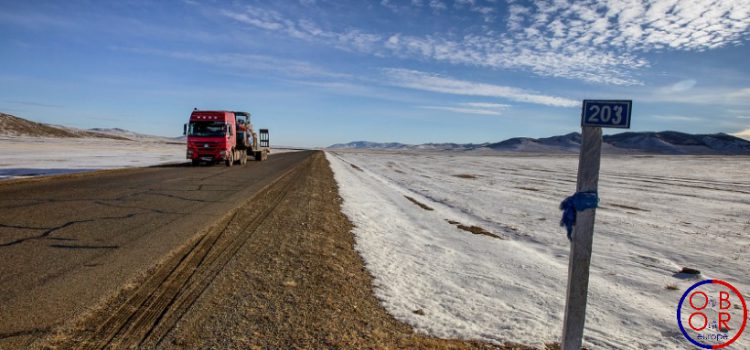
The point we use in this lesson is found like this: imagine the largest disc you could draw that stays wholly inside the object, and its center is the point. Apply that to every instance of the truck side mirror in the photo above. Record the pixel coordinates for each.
(184, 129)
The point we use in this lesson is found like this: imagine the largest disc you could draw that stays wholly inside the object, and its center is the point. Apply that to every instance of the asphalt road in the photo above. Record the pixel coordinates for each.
(68, 244)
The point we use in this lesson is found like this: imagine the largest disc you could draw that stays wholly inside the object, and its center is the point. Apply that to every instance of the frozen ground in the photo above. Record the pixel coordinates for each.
(49, 156)
(657, 214)
(44, 156)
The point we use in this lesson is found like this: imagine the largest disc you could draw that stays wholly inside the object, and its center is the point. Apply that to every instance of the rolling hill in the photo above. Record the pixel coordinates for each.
(13, 126)
(663, 142)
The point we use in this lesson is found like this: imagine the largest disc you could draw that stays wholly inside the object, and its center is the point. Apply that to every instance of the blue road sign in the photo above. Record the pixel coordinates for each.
(606, 113)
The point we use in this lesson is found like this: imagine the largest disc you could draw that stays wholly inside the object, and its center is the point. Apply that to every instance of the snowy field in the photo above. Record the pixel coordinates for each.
(657, 215)
(46, 156)
(50, 156)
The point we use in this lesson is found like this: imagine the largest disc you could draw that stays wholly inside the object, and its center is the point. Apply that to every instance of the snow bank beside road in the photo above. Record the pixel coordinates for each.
(422, 262)
(450, 283)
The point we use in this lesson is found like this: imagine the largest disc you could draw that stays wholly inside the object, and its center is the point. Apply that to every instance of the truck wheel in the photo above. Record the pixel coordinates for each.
(230, 159)
(196, 162)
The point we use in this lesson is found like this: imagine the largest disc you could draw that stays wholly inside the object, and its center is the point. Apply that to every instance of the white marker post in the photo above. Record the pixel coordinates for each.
(595, 115)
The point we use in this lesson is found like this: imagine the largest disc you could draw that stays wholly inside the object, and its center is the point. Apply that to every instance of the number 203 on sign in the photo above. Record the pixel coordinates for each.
(606, 113)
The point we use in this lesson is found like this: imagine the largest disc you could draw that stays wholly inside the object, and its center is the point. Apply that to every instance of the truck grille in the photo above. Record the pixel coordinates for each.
(206, 146)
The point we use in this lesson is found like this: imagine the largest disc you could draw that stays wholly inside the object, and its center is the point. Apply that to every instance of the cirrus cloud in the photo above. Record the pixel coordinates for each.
(464, 110)
(436, 83)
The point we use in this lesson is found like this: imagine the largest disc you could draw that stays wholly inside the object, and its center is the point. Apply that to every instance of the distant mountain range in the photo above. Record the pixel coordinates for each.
(12, 126)
(664, 142)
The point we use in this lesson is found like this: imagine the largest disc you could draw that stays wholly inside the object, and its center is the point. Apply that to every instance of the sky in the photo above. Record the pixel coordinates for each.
(318, 72)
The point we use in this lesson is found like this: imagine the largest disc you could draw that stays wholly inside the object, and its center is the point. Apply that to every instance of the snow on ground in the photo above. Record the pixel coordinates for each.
(657, 214)
(24, 156)
(285, 149)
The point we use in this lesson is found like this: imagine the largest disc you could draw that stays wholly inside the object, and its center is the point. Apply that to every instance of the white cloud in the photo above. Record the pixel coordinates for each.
(678, 118)
(244, 63)
(351, 39)
(588, 64)
(740, 94)
(486, 105)
(735, 100)
(486, 11)
(257, 17)
(614, 34)
(745, 134)
(389, 5)
(595, 41)
(358, 41)
(437, 5)
(466, 2)
(682, 86)
(464, 110)
(36, 20)
(393, 41)
(436, 83)
(481, 108)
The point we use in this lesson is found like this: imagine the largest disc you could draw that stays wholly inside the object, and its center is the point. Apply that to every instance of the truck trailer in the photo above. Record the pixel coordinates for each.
(228, 136)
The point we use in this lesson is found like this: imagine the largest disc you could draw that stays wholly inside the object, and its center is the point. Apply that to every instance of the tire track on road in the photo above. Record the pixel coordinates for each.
(153, 309)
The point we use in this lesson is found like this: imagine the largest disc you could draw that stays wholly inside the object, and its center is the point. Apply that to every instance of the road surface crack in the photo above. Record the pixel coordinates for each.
(52, 230)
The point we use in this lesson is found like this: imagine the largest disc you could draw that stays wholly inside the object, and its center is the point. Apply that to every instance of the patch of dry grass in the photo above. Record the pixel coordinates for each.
(623, 206)
(473, 229)
(420, 204)
(528, 189)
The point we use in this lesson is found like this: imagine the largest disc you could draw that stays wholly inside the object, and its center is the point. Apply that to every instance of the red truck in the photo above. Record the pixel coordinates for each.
(215, 136)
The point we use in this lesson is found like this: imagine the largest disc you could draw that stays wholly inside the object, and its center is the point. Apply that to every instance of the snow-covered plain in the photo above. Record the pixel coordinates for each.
(657, 214)
(52, 156)
(24, 156)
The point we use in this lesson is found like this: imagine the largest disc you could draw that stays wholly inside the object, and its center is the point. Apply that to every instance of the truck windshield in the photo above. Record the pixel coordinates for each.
(207, 128)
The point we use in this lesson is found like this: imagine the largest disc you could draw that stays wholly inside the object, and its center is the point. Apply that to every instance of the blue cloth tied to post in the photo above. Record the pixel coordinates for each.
(579, 201)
